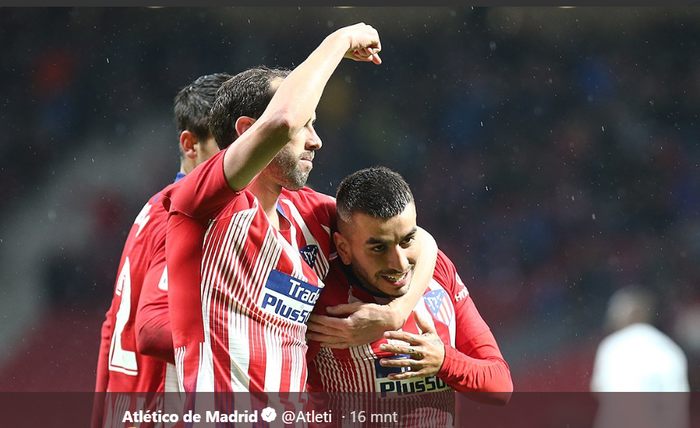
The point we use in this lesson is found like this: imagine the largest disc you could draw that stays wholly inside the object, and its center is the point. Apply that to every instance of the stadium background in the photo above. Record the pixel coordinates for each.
(553, 153)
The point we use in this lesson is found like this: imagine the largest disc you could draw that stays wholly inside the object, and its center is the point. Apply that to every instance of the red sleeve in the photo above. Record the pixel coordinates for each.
(153, 333)
(183, 252)
(202, 192)
(319, 212)
(335, 292)
(152, 321)
(475, 364)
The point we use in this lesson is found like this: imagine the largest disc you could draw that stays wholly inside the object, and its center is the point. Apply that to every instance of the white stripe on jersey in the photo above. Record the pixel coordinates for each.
(205, 365)
(298, 367)
(363, 360)
(179, 359)
(225, 266)
(273, 367)
(116, 412)
(297, 357)
(268, 257)
(238, 331)
(231, 243)
(239, 325)
(173, 400)
(205, 371)
(171, 378)
(321, 265)
(294, 255)
(328, 368)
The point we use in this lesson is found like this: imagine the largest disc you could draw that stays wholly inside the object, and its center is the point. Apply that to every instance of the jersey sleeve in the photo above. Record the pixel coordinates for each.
(315, 214)
(153, 333)
(475, 364)
(334, 293)
(202, 192)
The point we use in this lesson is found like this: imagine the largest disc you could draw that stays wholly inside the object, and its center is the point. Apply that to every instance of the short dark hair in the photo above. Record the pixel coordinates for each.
(376, 191)
(248, 93)
(192, 105)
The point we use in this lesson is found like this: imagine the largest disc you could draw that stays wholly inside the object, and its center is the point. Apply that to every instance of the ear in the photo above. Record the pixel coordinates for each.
(243, 123)
(343, 248)
(187, 143)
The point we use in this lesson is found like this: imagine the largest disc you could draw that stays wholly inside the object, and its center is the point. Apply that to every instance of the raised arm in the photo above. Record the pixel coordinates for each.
(294, 103)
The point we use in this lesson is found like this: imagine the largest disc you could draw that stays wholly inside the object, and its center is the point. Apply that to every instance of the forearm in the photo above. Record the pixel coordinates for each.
(154, 337)
(152, 324)
(402, 307)
(298, 95)
(289, 111)
(485, 373)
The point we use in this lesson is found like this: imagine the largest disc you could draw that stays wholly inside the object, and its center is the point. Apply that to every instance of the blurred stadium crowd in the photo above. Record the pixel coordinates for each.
(554, 152)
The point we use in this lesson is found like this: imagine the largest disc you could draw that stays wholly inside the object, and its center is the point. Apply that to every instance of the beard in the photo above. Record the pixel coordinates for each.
(373, 281)
(287, 172)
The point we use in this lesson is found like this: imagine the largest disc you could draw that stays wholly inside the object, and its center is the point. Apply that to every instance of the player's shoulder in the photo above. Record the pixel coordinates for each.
(165, 196)
(307, 194)
(157, 199)
(151, 217)
(446, 275)
(444, 267)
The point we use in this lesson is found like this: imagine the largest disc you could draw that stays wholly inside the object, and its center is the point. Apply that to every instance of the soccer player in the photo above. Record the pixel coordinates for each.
(445, 347)
(259, 240)
(133, 358)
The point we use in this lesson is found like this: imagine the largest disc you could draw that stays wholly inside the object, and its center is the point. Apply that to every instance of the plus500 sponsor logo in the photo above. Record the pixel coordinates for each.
(288, 297)
(396, 388)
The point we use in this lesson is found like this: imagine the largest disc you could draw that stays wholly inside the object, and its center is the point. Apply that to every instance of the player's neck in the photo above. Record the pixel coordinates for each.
(267, 194)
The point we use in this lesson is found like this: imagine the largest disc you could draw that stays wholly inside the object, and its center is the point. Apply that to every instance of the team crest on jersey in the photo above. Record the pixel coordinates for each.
(439, 306)
(288, 297)
(396, 388)
(309, 253)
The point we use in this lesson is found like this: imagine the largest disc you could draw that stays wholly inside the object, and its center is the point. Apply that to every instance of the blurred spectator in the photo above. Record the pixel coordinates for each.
(634, 358)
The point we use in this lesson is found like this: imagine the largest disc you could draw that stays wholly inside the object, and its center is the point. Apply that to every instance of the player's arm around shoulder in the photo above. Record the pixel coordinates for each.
(358, 323)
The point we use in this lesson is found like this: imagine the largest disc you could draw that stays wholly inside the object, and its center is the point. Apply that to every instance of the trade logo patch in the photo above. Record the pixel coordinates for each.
(288, 297)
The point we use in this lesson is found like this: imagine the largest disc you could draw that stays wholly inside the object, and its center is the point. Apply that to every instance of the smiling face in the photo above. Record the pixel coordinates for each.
(381, 251)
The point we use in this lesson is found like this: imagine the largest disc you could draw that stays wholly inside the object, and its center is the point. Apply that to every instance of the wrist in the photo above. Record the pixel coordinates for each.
(395, 318)
(340, 38)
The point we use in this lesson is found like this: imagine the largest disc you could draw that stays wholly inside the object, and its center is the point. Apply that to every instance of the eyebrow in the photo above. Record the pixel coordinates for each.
(375, 241)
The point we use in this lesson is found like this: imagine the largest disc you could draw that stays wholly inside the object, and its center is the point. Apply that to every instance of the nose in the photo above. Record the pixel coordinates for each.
(398, 259)
(313, 142)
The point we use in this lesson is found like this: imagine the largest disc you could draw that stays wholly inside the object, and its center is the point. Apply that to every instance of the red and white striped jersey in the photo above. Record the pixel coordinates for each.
(121, 368)
(447, 305)
(241, 291)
